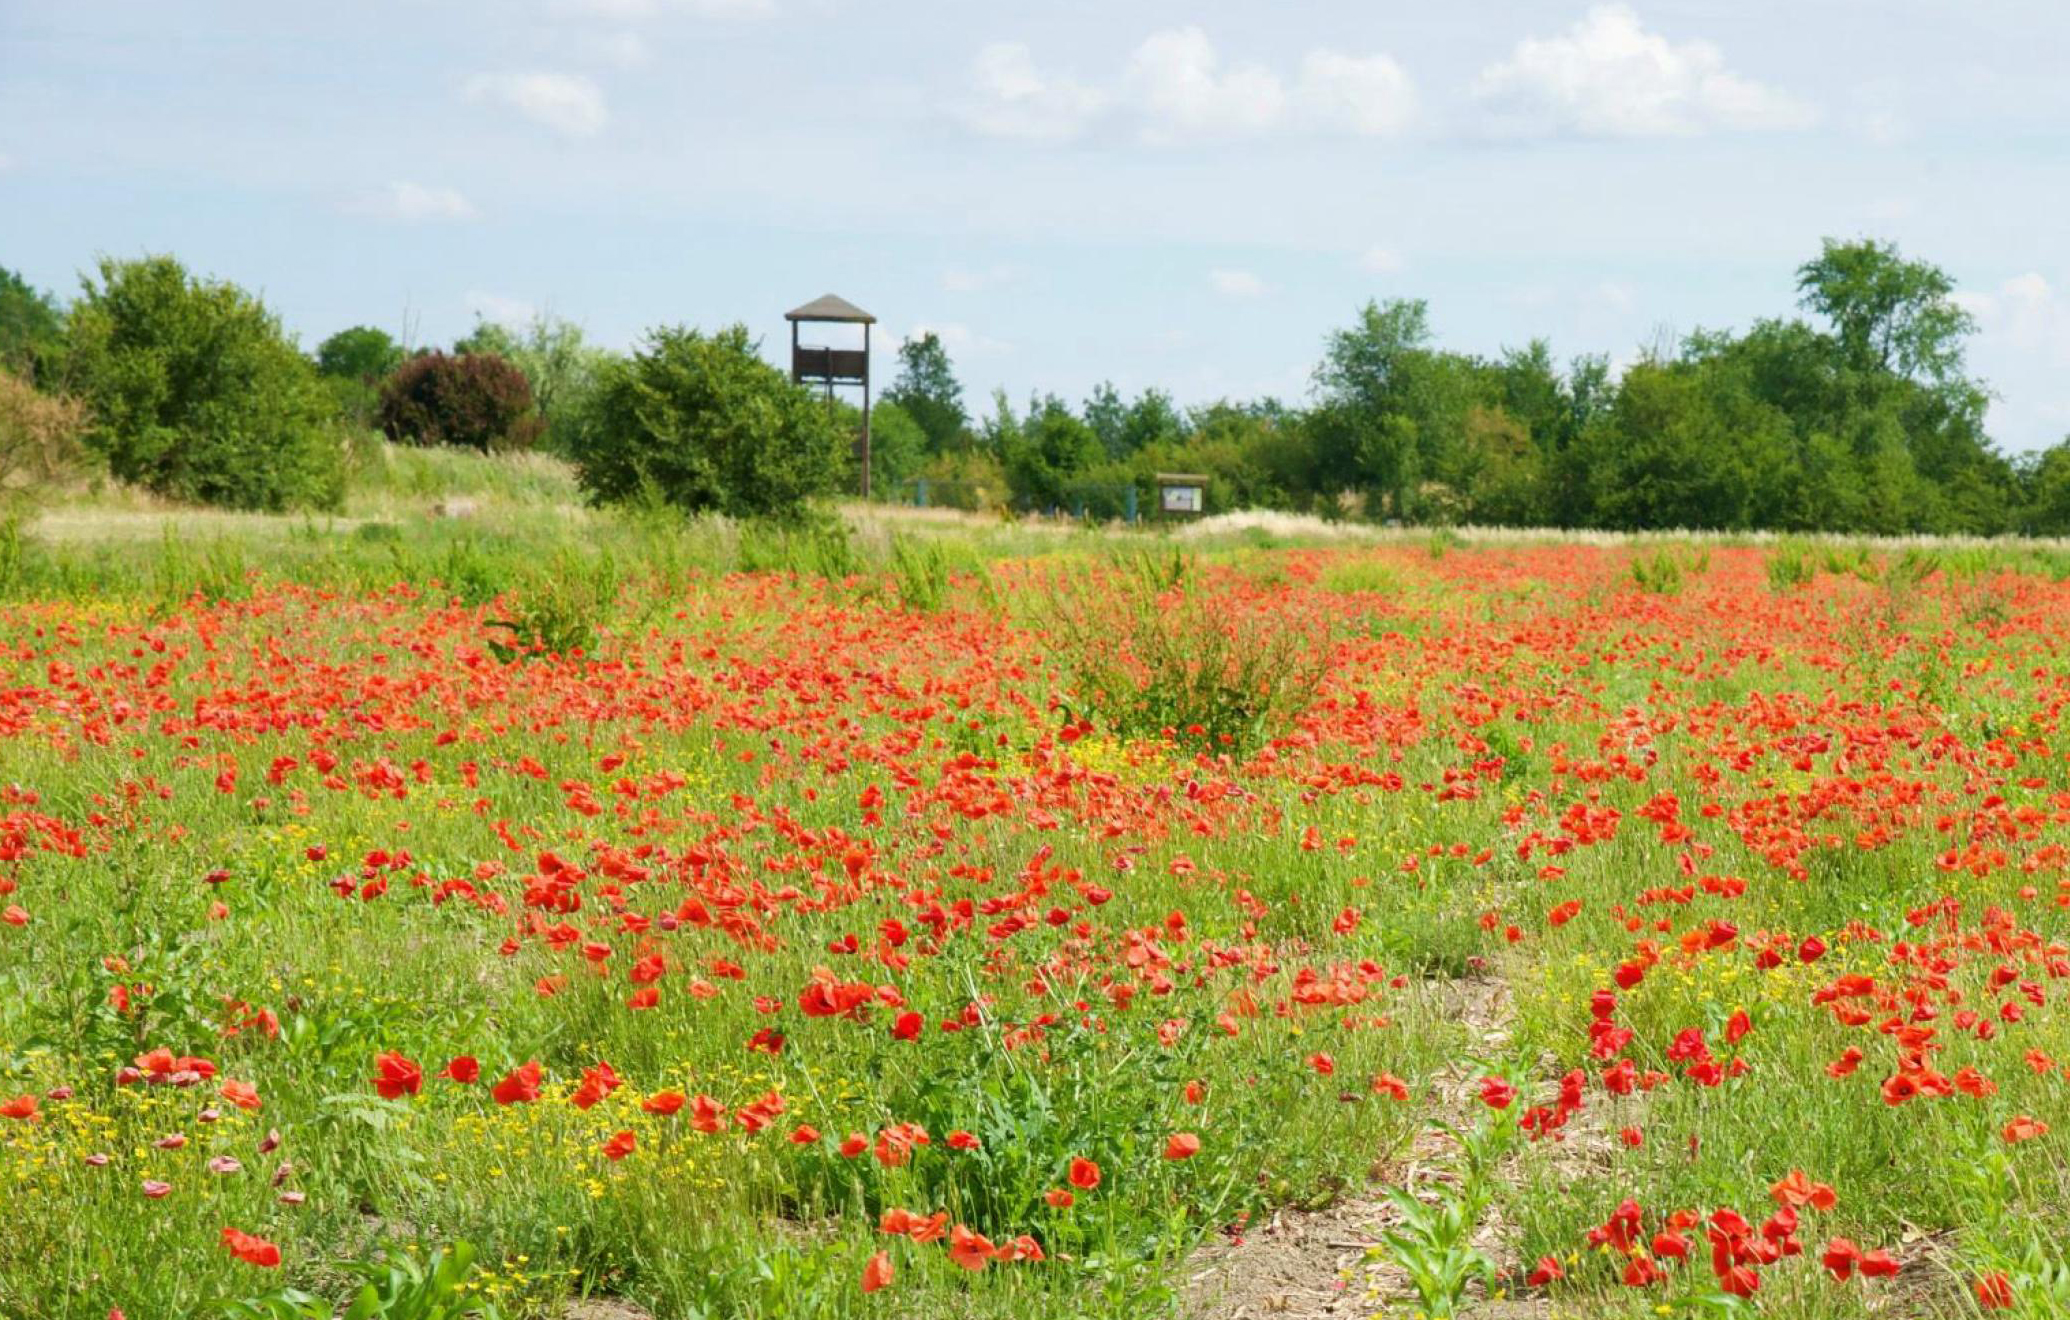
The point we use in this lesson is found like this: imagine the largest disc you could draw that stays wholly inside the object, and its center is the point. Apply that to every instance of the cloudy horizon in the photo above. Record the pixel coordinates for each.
(1188, 196)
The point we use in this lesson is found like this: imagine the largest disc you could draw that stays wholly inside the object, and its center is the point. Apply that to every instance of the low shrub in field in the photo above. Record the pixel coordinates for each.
(1155, 651)
(198, 395)
(1790, 566)
(470, 400)
(701, 422)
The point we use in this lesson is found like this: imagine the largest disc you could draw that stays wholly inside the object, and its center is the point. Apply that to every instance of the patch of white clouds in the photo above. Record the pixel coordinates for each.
(2025, 312)
(417, 203)
(959, 339)
(569, 104)
(624, 10)
(1608, 76)
(1012, 98)
(1175, 87)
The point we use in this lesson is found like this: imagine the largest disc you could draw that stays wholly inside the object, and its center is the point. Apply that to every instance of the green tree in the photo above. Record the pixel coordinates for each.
(898, 449)
(1107, 415)
(354, 363)
(1048, 453)
(362, 353)
(702, 422)
(31, 327)
(928, 391)
(197, 394)
(1889, 314)
(2046, 477)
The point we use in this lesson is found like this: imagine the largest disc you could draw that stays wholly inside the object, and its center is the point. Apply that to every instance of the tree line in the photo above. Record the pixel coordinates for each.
(1856, 414)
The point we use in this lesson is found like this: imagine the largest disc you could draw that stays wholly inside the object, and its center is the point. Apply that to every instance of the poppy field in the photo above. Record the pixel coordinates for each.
(1602, 929)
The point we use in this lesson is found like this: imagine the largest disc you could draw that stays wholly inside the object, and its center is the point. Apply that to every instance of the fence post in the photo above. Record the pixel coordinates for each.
(1132, 504)
(920, 493)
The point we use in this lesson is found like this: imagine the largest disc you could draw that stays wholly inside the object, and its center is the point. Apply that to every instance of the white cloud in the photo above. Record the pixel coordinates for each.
(1380, 260)
(956, 279)
(1175, 87)
(1367, 96)
(513, 312)
(415, 202)
(567, 103)
(1176, 80)
(1014, 99)
(959, 339)
(1237, 284)
(636, 9)
(1607, 76)
(2025, 313)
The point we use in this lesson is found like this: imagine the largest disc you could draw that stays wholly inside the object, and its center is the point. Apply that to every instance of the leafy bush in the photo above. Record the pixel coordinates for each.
(354, 363)
(562, 369)
(470, 400)
(700, 422)
(31, 328)
(197, 394)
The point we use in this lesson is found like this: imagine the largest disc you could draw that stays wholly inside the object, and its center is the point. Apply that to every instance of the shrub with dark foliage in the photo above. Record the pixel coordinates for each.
(701, 422)
(472, 400)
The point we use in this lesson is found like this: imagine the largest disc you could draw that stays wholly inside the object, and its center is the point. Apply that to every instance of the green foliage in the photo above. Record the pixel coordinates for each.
(701, 422)
(31, 327)
(197, 394)
(1042, 454)
(394, 1287)
(1891, 315)
(1790, 566)
(363, 353)
(1155, 651)
(557, 610)
(920, 572)
(926, 388)
(470, 400)
(1661, 573)
(898, 449)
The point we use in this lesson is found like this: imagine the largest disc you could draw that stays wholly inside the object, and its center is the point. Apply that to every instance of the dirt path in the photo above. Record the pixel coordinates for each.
(1331, 1263)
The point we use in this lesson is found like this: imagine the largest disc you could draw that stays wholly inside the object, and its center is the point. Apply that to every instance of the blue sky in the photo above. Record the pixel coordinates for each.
(1187, 195)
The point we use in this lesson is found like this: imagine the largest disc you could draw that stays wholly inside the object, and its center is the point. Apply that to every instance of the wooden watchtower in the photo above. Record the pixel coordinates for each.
(820, 365)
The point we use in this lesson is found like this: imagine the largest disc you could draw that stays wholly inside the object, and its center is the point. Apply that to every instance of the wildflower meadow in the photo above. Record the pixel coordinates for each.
(1097, 925)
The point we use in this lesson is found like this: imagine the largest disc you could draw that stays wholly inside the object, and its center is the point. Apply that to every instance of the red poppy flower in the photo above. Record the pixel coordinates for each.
(619, 1146)
(1084, 1174)
(519, 1086)
(251, 1250)
(877, 1273)
(464, 1070)
(1181, 1146)
(1995, 1292)
(396, 1076)
(2024, 1128)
